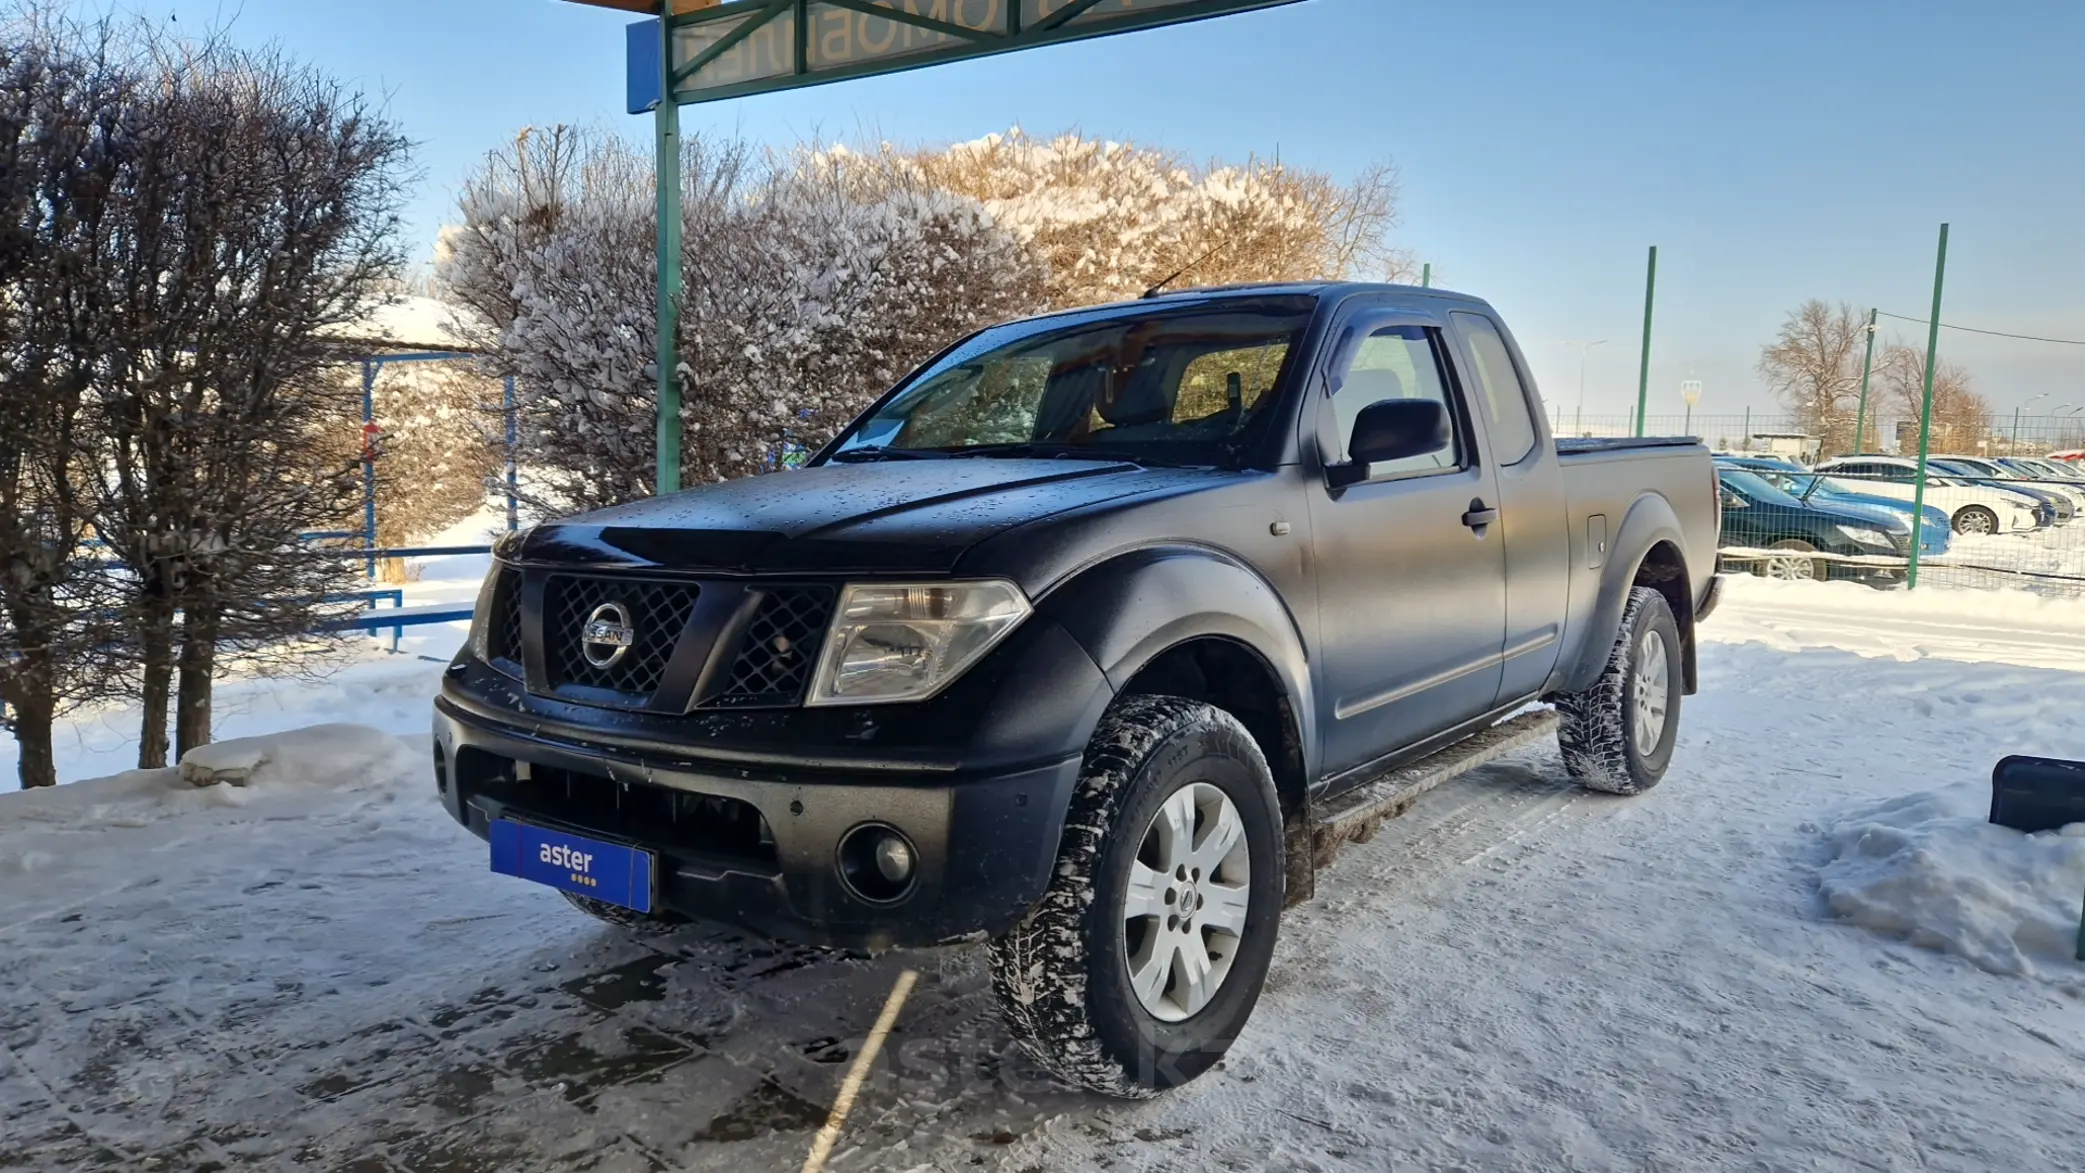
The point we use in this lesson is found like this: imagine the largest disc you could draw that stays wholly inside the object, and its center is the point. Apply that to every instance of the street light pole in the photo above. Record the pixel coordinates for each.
(1860, 414)
(1585, 348)
(2013, 449)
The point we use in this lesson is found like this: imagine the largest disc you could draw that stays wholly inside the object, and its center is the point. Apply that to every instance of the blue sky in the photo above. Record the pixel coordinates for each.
(1773, 150)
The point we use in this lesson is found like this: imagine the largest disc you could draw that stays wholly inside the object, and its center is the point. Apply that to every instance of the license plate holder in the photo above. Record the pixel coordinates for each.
(609, 872)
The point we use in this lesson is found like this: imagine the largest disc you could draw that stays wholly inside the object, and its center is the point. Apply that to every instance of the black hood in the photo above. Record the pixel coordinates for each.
(914, 516)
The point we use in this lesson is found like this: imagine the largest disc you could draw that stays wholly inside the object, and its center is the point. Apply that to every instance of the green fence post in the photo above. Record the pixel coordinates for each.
(1643, 370)
(1860, 414)
(1426, 276)
(667, 122)
(1925, 423)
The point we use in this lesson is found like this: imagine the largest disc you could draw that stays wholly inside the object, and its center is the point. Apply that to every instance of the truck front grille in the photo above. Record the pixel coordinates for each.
(780, 648)
(503, 631)
(657, 613)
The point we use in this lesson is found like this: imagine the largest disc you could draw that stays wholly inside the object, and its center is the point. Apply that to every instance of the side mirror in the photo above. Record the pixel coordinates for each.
(1392, 429)
(1733, 501)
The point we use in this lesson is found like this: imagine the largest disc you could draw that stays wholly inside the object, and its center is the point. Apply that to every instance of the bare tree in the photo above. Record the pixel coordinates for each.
(1961, 416)
(1814, 366)
(252, 215)
(59, 634)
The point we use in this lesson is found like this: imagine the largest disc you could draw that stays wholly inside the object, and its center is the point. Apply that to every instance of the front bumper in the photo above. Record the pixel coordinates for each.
(764, 855)
(746, 811)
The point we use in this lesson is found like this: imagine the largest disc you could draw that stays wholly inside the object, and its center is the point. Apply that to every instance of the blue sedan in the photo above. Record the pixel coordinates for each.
(1804, 485)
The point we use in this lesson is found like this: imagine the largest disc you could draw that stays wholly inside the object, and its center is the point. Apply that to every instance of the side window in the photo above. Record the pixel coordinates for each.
(1504, 401)
(1395, 362)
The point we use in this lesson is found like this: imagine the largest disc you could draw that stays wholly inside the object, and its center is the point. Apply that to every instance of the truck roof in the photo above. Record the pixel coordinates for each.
(1325, 291)
(1322, 289)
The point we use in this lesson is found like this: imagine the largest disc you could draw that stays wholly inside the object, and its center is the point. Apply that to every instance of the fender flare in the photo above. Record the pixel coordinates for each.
(1650, 520)
(1131, 608)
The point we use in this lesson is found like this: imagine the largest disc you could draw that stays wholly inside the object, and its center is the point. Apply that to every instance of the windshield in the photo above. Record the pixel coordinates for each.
(1978, 468)
(1185, 385)
(1800, 485)
(1757, 488)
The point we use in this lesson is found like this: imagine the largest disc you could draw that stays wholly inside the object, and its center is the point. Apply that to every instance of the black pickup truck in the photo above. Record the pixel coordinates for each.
(1093, 639)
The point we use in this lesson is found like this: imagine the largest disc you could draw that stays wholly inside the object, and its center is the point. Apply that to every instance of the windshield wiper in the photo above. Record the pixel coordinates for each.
(1060, 451)
(873, 452)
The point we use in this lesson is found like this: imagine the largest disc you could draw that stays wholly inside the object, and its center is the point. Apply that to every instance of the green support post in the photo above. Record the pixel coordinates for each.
(667, 119)
(1426, 276)
(1925, 423)
(1643, 370)
(1860, 414)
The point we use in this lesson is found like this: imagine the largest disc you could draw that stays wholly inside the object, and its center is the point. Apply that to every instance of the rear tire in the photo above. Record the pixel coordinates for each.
(1175, 810)
(627, 919)
(1617, 735)
(1975, 519)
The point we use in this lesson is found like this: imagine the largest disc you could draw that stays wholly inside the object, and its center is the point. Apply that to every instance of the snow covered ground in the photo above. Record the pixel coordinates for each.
(1803, 951)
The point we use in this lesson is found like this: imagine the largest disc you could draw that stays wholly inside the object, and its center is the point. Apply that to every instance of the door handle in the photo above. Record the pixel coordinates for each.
(1480, 514)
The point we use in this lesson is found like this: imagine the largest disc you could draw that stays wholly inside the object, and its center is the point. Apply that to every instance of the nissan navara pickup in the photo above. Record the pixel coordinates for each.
(1092, 640)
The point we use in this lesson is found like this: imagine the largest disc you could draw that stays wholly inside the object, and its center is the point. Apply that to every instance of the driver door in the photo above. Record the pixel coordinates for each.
(1411, 583)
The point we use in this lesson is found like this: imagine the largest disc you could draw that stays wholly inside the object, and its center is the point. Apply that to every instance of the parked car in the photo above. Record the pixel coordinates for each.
(1971, 509)
(2042, 466)
(2064, 502)
(1759, 515)
(1813, 489)
(1092, 639)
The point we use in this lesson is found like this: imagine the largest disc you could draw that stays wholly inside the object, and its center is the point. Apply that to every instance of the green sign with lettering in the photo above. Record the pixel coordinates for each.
(754, 46)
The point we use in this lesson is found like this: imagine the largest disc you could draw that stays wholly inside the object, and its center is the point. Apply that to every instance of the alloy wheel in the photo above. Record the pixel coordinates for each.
(1183, 915)
(1651, 692)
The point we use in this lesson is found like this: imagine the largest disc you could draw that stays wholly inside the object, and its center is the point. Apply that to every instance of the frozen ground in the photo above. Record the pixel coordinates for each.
(321, 973)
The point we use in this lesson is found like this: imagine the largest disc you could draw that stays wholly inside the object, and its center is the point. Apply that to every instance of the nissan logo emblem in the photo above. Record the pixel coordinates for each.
(607, 636)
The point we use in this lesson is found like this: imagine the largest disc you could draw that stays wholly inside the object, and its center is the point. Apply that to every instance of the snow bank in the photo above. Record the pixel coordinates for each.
(320, 758)
(2010, 608)
(1919, 868)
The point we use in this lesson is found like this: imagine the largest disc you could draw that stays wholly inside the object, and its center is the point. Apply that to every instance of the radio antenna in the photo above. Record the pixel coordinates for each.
(1159, 288)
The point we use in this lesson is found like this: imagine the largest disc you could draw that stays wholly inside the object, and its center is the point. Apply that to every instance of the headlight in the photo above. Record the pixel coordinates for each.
(906, 641)
(1862, 536)
(479, 644)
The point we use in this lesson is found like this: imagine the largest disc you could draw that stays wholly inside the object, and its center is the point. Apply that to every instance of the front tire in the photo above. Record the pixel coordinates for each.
(1145, 956)
(1617, 735)
(1975, 519)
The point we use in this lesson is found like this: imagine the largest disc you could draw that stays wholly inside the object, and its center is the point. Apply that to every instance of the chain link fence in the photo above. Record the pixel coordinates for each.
(2000, 505)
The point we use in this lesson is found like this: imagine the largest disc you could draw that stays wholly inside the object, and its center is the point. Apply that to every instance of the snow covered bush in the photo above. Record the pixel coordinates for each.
(1110, 220)
(812, 281)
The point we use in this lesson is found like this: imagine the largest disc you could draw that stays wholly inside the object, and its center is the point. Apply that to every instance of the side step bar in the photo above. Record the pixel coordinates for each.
(1354, 817)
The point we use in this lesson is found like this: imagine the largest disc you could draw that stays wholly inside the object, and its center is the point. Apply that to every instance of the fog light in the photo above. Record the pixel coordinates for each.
(877, 863)
(893, 859)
